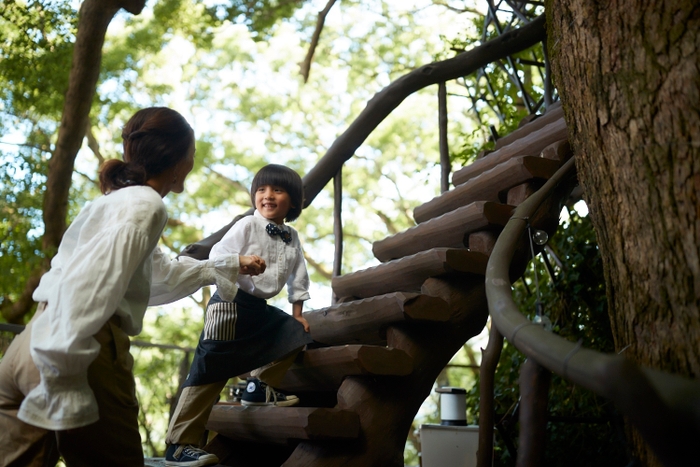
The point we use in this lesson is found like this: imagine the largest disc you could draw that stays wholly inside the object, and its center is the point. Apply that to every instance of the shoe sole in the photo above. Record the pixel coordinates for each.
(271, 404)
(198, 463)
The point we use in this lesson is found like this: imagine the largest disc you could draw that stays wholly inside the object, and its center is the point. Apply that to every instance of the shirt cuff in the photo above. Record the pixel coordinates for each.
(301, 296)
(223, 271)
(61, 403)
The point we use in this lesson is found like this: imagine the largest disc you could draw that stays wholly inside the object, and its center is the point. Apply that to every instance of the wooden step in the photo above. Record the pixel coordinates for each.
(365, 321)
(488, 186)
(407, 274)
(448, 230)
(324, 369)
(530, 145)
(555, 112)
(279, 425)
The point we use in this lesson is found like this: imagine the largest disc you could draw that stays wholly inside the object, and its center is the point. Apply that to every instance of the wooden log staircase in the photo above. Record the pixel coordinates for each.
(396, 325)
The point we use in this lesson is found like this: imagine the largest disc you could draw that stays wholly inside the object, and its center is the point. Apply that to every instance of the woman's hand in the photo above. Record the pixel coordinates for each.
(251, 265)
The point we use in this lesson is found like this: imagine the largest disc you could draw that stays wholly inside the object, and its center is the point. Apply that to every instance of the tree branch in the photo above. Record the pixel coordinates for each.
(228, 181)
(318, 267)
(385, 101)
(457, 10)
(306, 64)
(30, 146)
(93, 144)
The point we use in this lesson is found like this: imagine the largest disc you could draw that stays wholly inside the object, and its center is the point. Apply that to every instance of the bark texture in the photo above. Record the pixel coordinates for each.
(95, 16)
(628, 75)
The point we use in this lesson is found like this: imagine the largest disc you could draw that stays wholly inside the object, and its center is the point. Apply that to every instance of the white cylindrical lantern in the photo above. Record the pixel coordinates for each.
(453, 406)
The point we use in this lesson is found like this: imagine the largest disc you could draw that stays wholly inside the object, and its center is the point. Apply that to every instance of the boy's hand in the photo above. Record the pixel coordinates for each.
(251, 265)
(303, 321)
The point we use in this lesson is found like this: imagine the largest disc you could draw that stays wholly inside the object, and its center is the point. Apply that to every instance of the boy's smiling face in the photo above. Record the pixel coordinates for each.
(273, 202)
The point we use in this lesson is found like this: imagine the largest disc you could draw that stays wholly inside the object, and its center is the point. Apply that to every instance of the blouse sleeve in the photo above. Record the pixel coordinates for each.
(180, 277)
(62, 343)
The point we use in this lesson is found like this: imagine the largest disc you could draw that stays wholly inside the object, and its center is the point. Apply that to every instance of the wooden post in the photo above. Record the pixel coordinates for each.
(338, 224)
(534, 389)
(487, 372)
(444, 150)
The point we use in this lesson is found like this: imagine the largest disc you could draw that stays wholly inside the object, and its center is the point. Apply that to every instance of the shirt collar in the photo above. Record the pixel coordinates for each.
(268, 221)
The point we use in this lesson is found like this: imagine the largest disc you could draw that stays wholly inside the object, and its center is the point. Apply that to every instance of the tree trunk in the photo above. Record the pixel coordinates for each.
(628, 78)
(95, 16)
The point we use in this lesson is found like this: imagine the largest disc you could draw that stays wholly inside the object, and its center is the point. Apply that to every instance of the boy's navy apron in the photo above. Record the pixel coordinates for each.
(241, 336)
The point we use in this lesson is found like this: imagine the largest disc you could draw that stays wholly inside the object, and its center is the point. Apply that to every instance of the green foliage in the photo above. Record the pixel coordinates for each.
(21, 195)
(503, 92)
(260, 16)
(36, 43)
(575, 303)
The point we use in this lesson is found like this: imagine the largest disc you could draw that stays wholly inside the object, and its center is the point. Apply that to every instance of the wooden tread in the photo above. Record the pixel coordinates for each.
(365, 321)
(554, 112)
(279, 425)
(324, 369)
(448, 230)
(488, 186)
(530, 145)
(407, 274)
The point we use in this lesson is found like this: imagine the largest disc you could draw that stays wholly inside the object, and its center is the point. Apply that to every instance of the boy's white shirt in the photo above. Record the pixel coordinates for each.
(116, 232)
(285, 262)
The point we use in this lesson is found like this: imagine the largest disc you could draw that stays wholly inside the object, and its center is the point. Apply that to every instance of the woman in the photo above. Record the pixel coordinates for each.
(66, 382)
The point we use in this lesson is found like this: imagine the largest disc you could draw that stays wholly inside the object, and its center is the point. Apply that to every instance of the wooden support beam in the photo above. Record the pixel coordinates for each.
(559, 151)
(324, 369)
(483, 241)
(534, 397)
(487, 382)
(408, 274)
(520, 193)
(279, 425)
(488, 185)
(365, 321)
(530, 145)
(448, 230)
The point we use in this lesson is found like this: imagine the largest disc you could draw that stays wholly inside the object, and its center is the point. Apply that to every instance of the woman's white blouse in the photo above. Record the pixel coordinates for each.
(285, 262)
(107, 263)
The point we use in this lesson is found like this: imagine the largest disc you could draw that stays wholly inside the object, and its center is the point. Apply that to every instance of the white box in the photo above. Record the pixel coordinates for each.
(449, 445)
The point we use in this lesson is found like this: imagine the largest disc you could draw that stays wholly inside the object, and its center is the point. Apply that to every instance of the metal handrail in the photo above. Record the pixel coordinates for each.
(665, 408)
(13, 328)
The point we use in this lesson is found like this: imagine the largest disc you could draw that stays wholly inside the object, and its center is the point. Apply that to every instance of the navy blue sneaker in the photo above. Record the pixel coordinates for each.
(259, 393)
(188, 456)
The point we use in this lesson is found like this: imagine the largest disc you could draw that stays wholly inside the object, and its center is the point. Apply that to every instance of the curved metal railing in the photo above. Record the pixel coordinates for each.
(664, 407)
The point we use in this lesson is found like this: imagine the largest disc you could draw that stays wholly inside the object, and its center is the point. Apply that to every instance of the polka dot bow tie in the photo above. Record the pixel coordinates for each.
(273, 230)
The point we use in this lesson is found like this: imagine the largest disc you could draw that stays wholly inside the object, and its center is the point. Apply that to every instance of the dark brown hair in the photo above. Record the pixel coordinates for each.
(279, 175)
(155, 139)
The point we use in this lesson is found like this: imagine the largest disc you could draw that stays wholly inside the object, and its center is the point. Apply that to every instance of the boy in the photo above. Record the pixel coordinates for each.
(247, 334)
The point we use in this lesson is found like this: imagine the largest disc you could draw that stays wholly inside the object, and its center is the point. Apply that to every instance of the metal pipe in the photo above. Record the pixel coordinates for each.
(664, 407)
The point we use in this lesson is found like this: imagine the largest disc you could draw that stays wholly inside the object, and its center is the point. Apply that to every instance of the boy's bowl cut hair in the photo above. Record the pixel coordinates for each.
(282, 176)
